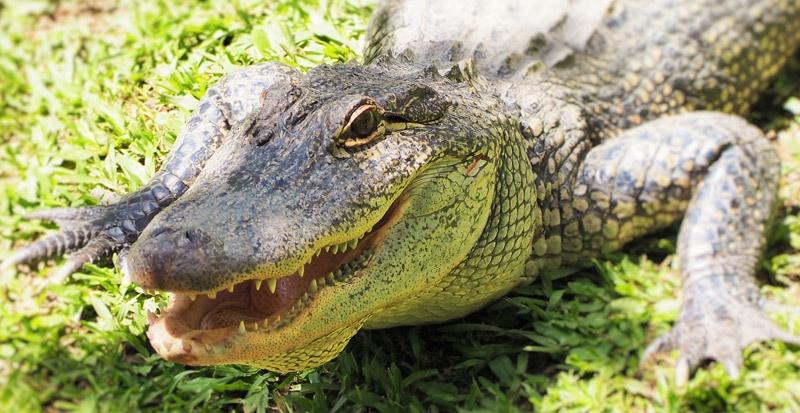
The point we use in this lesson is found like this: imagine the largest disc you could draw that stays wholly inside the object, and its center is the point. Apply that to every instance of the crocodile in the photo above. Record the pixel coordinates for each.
(476, 146)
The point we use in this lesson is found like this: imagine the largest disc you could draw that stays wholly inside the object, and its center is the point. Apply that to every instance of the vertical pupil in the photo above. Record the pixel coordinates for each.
(364, 124)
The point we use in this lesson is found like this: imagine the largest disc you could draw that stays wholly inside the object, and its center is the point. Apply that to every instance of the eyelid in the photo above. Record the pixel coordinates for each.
(361, 109)
(358, 108)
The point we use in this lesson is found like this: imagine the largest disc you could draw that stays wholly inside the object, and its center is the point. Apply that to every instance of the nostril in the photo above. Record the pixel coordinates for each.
(192, 236)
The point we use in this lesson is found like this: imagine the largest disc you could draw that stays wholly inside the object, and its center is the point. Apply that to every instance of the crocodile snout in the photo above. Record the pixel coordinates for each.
(167, 258)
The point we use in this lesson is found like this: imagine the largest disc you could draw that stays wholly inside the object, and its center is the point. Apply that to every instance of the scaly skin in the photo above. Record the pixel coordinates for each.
(474, 149)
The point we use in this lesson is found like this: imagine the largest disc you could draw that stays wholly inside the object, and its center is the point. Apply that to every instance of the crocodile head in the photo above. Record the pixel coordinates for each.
(342, 202)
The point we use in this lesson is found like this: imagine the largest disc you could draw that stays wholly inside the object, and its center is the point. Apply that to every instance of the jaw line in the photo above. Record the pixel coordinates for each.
(199, 329)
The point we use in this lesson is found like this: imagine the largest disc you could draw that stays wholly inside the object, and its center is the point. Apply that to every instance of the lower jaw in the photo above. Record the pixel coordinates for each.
(278, 354)
(203, 336)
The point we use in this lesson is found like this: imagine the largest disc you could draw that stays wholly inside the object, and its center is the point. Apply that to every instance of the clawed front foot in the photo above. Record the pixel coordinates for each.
(717, 324)
(88, 233)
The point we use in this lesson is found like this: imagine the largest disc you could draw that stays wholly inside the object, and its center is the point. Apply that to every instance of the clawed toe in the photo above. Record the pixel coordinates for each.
(49, 246)
(715, 331)
(89, 234)
(91, 252)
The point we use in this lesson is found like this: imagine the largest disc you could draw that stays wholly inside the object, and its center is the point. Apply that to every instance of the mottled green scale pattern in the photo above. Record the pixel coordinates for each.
(496, 261)
(556, 146)
(321, 350)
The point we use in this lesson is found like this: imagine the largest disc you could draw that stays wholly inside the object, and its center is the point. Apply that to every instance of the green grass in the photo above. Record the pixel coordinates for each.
(91, 98)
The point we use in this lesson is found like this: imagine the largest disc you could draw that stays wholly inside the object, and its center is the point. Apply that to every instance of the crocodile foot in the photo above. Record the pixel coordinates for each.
(717, 324)
(88, 233)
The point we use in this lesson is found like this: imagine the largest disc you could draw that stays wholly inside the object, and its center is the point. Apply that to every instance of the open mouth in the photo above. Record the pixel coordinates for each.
(192, 323)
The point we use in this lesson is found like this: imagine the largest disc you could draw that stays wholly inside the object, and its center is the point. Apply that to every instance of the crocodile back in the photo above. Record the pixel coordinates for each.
(622, 61)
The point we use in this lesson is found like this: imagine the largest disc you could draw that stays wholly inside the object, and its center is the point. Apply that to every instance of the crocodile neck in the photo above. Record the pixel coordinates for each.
(497, 261)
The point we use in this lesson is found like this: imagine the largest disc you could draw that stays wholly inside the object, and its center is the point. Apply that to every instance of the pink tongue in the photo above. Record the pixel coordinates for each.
(287, 291)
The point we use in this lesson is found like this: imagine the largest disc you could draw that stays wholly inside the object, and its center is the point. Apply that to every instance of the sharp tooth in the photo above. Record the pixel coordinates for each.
(277, 319)
(258, 284)
(230, 289)
(305, 297)
(212, 295)
(192, 297)
(255, 325)
(313, 286)
(266, 322)
(329, 277)
(301, 271)
(273, 283)
(318, 252)
(352, 243)
(242, 329)
(328, 248)
(338, 273)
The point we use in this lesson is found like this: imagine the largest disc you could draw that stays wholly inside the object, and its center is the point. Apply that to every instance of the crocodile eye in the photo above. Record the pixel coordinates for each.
(364, 124)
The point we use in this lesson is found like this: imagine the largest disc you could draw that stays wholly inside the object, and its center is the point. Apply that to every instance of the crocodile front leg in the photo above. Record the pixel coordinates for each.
(96, 231)
(721, 174)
